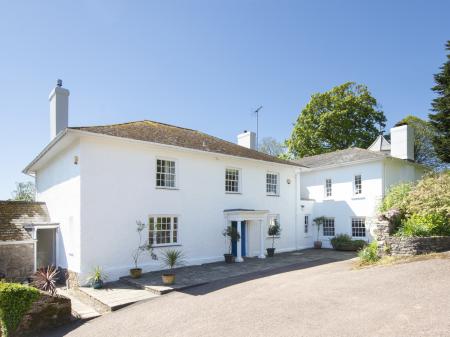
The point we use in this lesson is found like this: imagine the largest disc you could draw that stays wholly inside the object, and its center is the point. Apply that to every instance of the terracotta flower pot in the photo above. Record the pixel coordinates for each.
(317, 244)
(270, 252)
(135, 272)
(168, 278)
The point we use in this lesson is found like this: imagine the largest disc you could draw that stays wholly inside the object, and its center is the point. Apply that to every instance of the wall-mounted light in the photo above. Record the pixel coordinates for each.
(288, 181)
(302, 206)
(75, 160)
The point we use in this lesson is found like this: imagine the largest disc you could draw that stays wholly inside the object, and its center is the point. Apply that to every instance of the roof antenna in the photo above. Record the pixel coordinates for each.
(257, 125)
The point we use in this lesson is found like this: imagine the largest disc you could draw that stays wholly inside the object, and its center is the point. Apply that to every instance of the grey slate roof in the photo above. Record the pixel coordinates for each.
(15, 214)
(340, 157)
(167, 134)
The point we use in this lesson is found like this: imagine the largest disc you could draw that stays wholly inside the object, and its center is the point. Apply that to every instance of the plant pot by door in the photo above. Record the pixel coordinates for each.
(97, 284)
(135, 272)
(229, 258)
(270, 252)
(168, 278)
(317, 244)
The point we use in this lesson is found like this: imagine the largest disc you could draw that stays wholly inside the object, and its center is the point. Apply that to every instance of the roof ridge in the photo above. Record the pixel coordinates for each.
(132, 122)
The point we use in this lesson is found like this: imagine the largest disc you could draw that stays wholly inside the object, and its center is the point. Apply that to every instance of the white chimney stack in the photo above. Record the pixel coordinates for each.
(247, 139)
(402, 142)
(59, 109)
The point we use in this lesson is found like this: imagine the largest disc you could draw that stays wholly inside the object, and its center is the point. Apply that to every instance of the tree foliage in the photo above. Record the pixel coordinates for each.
(25, 191)
(441, 106)
(271, 147)
(424, 133)
(343, 117)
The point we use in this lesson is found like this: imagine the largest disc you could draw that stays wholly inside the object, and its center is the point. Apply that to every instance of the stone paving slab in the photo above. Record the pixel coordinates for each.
(192, 276)
(80, 310)
(116, 295)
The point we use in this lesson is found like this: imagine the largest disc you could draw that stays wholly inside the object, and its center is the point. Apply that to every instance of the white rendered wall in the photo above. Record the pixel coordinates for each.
(397, 172)
(118, 188)
(58, 185)
(343, 205)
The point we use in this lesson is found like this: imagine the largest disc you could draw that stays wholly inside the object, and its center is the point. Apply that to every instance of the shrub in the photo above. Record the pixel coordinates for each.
(45, 279)
(369, 254)
(172, 258)
(430, 195)
(345, 242)
(15, 300)
(396, 198)
(425, 225)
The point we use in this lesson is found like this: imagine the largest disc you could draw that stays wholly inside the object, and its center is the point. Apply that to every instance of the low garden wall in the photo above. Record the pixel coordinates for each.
(17, 261)
(397, 245)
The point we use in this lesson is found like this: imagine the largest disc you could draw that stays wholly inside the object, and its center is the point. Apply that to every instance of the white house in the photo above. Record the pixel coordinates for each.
(187, 186)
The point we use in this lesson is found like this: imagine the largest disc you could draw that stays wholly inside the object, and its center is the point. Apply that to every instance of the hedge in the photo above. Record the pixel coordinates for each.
(15, 301)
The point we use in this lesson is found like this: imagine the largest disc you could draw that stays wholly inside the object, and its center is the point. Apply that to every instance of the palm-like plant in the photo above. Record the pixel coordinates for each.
(172, 258)
(45, 279)
(97, 276)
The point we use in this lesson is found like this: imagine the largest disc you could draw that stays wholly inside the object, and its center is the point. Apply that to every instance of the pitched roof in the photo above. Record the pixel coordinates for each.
(15, 214)
(161, 133)
(340, 157)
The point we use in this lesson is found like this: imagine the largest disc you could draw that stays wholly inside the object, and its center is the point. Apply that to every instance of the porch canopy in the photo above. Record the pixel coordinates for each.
(241, 215)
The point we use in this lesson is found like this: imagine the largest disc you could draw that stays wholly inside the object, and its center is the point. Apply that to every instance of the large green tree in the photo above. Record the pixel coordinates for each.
(347, 115)
(271, 147)
(441, 106)
(424, 133)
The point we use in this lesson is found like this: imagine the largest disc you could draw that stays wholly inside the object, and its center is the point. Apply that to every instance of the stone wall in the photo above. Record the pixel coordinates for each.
(47, 312)
(17, 261)
(396, 245)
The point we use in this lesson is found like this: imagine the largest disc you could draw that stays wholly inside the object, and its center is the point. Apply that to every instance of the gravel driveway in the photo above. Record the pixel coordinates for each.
(411, 299)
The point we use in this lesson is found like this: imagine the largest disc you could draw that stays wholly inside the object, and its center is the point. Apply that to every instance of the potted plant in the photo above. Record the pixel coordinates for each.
(233, 235)
(274, 230)
(171, 258)
(136, 272)
(318, 222)
(97, 278)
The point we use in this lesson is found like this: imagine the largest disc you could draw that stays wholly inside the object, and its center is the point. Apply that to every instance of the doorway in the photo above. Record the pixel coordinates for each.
(46, 247)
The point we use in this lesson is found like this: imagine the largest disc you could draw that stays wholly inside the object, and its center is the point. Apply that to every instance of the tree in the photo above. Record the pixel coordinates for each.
(271, 147)
(25, 191)
(424, 152)
(343, 117)
(441, 106)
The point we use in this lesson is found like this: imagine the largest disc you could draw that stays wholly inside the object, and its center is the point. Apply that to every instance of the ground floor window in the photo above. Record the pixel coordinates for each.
(306, 229)
(359, 226)
(328, 227)
(163, 230)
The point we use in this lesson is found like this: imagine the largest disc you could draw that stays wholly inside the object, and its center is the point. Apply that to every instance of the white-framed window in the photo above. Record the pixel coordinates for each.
(328, 188)
(328, 227)
(271, 218)
(166, 173)
(232, 181)
(357, 185)
(306, 224)
(163, 230)
(272, 183)
(358, 226)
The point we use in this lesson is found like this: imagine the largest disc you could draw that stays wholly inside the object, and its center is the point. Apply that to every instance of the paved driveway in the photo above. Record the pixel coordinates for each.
(328, 299)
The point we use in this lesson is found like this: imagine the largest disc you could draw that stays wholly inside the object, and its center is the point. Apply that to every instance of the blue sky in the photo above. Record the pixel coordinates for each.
(206, 64)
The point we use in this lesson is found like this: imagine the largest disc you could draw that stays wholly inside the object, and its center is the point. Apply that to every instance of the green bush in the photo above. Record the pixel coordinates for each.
(369, 254)
(425, 225)
(345, 242)
(396, 198)
(15, 300)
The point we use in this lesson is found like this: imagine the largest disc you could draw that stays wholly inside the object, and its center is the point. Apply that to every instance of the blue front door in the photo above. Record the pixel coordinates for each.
(234, 243)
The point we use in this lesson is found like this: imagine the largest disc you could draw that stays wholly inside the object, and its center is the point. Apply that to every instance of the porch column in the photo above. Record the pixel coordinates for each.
(261, 242)
(238, 244)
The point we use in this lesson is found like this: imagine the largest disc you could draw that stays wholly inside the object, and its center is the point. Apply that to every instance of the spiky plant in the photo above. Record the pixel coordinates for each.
(172, 258)
(45, 279)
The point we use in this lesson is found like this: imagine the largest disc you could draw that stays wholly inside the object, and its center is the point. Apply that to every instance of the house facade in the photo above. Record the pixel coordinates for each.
(188, 186)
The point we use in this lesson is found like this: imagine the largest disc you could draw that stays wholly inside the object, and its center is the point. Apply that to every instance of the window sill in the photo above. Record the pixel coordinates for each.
(167, 188)
(167, 245)
(272, 195)
(358, 197)
(233, 193)
(269, 237)
(328, 199)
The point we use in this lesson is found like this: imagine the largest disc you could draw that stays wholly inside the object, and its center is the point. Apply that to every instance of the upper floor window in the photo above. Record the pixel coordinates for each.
(163, 230)
(272, 183)
(357, 185)
(306, 228)
(359, 226)
(232, 183)
(328, 227)
(165, 173)
(328, 188)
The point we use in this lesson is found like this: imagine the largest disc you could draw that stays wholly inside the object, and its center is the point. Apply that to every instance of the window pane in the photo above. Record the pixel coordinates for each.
(165, 173)
(358, 184)
(328, 227)
(232, 180)
(328, 188)
(271, 183)
(359, 227)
